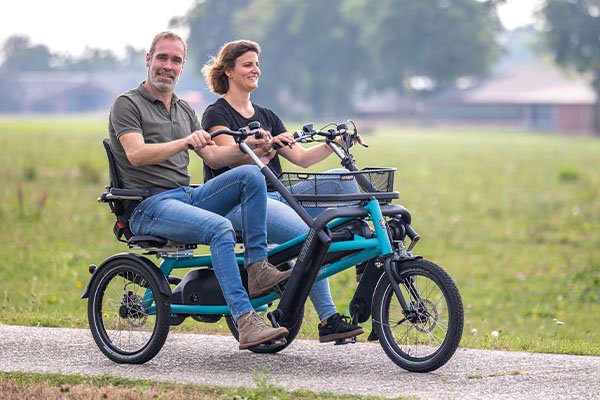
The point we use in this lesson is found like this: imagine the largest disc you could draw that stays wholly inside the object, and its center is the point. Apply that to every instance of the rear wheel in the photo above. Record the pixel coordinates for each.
(424, 338)
(128, 316)
(268, 348)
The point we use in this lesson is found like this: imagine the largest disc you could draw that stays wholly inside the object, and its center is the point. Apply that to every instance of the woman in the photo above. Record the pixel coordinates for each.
(234, 75)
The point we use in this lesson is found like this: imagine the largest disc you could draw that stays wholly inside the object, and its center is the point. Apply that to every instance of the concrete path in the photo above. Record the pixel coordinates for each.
(362, 368)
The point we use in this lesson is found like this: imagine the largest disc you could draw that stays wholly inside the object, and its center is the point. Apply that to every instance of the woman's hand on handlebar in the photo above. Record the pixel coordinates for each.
(198, 140)
(262, 142)
(284, 139)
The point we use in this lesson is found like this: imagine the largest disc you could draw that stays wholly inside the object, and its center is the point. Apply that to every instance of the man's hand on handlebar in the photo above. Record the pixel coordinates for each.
(198, 140)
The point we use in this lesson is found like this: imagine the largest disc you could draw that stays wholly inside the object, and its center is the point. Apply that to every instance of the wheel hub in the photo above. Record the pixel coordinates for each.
(423, 315)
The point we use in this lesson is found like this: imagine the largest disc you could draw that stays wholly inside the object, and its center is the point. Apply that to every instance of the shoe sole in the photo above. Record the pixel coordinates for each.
(345, 335)
(269, 289)
(279, 335)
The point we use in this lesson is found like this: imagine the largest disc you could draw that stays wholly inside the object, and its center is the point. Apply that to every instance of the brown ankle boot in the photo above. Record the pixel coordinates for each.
(253, 330)
(262, 276)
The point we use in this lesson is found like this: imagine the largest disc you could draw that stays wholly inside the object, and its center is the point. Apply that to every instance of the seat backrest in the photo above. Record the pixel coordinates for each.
(121, 209)
(113, 174)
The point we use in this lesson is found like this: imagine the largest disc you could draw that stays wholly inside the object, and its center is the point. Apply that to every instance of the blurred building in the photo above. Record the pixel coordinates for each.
(534, 96)
(82, 92)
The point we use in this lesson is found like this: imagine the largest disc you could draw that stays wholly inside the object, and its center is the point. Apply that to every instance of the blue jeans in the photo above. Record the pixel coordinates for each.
(196, 215)
(284, 224)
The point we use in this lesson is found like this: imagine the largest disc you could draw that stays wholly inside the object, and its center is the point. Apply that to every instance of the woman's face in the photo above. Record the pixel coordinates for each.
(246, 72)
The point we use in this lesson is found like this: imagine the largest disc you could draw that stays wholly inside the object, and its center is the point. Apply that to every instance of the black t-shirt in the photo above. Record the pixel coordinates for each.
(221, 113)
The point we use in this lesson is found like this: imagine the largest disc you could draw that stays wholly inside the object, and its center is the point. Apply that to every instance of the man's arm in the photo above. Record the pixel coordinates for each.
(140, 153)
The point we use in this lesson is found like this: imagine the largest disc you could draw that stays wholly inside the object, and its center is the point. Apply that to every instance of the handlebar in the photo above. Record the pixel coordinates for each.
(308, 133)
(240, 135)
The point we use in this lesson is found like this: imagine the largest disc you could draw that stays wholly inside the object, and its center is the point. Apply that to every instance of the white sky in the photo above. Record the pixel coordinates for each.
(69, 26)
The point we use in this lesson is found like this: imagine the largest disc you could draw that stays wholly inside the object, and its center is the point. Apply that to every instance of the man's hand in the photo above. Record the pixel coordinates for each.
(198, 140)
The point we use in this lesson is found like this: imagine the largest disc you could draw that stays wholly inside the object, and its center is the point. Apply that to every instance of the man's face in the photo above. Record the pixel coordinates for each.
(166, 64)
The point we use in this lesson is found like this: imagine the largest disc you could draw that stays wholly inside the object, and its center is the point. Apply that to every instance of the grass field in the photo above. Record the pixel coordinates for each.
(513, 217)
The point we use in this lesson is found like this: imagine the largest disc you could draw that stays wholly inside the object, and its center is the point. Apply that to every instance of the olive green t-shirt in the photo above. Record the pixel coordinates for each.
(139, 111)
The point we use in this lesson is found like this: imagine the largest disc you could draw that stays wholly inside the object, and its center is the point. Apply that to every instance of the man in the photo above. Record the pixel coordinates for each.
(151, 130)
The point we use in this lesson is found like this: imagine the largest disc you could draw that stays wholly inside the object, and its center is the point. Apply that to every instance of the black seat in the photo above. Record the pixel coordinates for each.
(122, 202)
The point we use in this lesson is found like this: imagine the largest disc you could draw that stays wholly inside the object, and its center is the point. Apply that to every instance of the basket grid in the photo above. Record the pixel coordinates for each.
(338, 183)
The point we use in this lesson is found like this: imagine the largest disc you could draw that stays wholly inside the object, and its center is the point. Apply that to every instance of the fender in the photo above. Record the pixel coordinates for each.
(141, 261)
(361, 303)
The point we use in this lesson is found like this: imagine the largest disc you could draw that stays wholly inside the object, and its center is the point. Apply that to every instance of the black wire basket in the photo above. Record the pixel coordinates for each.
(340, 189)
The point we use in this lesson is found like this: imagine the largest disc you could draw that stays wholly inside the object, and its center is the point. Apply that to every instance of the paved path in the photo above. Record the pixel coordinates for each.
(362, 368)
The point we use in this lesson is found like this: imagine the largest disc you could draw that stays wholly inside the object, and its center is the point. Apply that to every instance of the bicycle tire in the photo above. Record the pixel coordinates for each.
(128, 316)
(426, 340)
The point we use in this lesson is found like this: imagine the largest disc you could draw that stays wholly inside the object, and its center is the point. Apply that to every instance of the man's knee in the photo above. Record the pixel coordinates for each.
(250, 172)
(223, 232)
(252, 177)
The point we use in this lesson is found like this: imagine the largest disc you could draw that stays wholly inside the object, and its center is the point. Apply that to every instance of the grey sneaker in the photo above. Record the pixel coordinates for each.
(253, 330)
(262, 277)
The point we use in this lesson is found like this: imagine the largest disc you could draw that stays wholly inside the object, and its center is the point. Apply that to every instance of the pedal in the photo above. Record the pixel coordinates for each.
(350, 340)
(372, 336)
(268, 347)
(279, 289)
(279, 342)
(273, 319)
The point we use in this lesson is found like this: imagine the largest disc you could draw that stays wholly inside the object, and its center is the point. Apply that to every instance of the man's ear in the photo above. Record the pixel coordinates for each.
(147, 59)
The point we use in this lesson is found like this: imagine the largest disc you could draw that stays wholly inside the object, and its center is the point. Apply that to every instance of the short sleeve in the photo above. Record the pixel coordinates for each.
(125, 116)
(215, 116)
(278, 126)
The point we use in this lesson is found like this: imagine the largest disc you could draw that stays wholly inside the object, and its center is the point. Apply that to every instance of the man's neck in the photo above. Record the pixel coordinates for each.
(165, 97)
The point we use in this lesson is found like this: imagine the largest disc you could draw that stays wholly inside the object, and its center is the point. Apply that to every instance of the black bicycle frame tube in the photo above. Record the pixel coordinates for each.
(303, 276)
(308, 264)
(270, 176)
(393, 278)
(347, 162)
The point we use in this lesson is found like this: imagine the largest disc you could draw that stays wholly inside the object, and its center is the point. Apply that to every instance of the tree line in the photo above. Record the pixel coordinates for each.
(321, 55)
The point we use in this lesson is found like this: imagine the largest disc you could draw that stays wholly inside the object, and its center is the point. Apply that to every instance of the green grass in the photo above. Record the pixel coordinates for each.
(17, 385)
(512, 217)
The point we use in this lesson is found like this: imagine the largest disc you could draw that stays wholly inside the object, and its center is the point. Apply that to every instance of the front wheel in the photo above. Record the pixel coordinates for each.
(424, 337)
(129, 317)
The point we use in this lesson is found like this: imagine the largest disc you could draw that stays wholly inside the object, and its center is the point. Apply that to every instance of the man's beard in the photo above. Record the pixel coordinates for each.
(163, 86)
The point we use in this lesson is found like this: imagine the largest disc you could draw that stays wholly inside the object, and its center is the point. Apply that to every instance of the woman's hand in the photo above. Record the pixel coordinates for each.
(357, 139)
(263, 142)
(284, 139)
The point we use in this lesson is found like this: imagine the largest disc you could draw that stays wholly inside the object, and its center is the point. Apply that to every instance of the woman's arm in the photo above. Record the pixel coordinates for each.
(298, 155)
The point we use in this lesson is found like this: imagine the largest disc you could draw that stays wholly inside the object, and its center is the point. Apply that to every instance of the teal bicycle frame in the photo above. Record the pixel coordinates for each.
(363, 249)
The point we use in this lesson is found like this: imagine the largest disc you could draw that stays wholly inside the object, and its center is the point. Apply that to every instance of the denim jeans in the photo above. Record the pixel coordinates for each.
(196, 215)
(284, 224)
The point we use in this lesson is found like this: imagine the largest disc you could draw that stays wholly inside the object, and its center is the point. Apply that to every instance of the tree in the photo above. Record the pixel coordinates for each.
(437, 40)
(309, 53)
(211, 24)
(20, 55)
(318, 53)
(572, 34)
(93, 60)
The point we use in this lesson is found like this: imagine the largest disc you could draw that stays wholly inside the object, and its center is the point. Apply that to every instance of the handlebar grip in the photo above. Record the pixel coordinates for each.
(190, 147)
